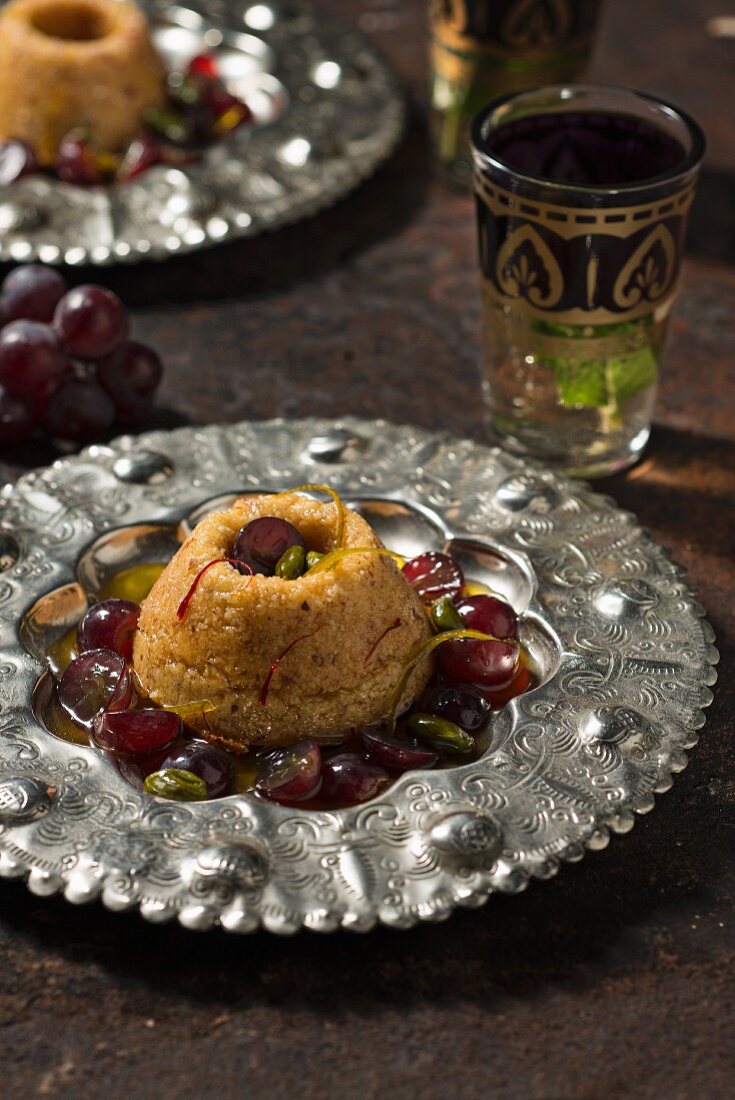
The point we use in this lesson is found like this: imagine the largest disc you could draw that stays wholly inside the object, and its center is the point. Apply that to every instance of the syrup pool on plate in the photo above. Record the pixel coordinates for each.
(94, 698)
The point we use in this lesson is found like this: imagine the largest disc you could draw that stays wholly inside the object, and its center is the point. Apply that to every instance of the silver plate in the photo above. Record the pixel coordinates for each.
(328, 112)
(617, 637)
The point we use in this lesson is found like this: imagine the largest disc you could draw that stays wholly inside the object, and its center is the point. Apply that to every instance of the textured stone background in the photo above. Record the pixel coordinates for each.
(613, 980)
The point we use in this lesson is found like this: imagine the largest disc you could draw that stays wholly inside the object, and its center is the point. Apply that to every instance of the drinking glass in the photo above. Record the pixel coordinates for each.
(481, 49)
(582, 196)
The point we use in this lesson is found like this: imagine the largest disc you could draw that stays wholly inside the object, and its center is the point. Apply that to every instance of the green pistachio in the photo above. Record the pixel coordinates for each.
(177, 784)
(445, 614)
(167, 124)
(292, 563)
(313, 558)
(440, 733)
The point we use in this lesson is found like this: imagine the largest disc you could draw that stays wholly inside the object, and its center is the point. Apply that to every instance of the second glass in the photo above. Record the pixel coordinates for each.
(481, 49)
(582, 200)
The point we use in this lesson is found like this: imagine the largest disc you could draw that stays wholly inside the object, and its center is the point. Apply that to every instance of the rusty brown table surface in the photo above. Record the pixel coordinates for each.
(615, 979)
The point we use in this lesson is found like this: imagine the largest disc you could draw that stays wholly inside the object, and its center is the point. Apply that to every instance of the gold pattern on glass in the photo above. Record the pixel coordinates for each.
(526, 268)
(537, 24)
(571, 221)
(648, 274)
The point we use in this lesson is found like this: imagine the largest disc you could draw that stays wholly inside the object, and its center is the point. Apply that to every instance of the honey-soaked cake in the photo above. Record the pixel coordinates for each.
(85, 65)
(280, 659)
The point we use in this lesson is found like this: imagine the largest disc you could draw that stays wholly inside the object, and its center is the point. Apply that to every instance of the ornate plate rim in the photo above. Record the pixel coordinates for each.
(24, 239)
(428, 845)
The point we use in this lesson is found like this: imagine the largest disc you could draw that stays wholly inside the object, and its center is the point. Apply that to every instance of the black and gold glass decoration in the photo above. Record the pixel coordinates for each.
(481, 49)
(582, 200)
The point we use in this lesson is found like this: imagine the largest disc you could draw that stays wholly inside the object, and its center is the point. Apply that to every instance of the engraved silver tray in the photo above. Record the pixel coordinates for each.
(328, 112)
(621, 647)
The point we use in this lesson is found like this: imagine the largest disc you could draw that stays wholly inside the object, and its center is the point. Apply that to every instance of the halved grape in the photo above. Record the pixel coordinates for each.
(136, 732)
(489, 615)
(94, 682)
(91, 322)
(399, 755)
(433, 575)
(467, 707)
(260, 543)
(109, 624)
(31, 359)
(31, 293)
(349, 778)
(491, 664)
(291, 774)
(206, 761)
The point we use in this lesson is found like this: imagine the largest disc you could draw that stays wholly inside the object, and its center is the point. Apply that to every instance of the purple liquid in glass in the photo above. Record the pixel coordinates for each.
(585, 148)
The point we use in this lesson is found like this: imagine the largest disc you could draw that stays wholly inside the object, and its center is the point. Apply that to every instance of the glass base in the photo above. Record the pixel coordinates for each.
(575, 463)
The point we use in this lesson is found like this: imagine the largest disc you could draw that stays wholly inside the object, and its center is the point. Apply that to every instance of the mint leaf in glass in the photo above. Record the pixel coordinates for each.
(605, 382)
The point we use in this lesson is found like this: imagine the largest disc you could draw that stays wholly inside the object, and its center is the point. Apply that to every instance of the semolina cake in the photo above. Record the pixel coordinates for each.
(67, 65)
(281, 659)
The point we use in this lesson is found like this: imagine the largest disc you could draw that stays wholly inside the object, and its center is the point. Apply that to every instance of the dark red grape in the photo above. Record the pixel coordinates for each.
(136, 769)
(16, 160)
(491, 664)
(399, 755)
(291, 774)
(136, 732)
(141, 154)
(260, 543)
(79, 410)
(18, 418)
(31, 360)
(31, 293)
(75, 161)
(206, 761)
(131, 375)
(433, 575)
(349, 778)
(467, 707)
(489, 615)
(94, 682)
(109, 624)
(91, 322)
(203, 65)
(220, 100)
(521, 682)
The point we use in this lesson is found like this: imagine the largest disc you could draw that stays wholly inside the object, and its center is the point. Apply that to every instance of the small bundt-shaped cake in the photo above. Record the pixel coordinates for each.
(75, 64)
(281, 659)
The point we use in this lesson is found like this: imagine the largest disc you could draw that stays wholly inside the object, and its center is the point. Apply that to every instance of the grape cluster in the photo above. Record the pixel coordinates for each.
(67, 366)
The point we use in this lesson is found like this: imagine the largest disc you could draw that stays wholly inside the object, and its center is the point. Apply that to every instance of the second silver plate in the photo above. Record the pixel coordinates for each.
(327, 113)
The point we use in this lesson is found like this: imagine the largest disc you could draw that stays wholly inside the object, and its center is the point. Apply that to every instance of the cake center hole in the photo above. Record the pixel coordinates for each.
(74, 22)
